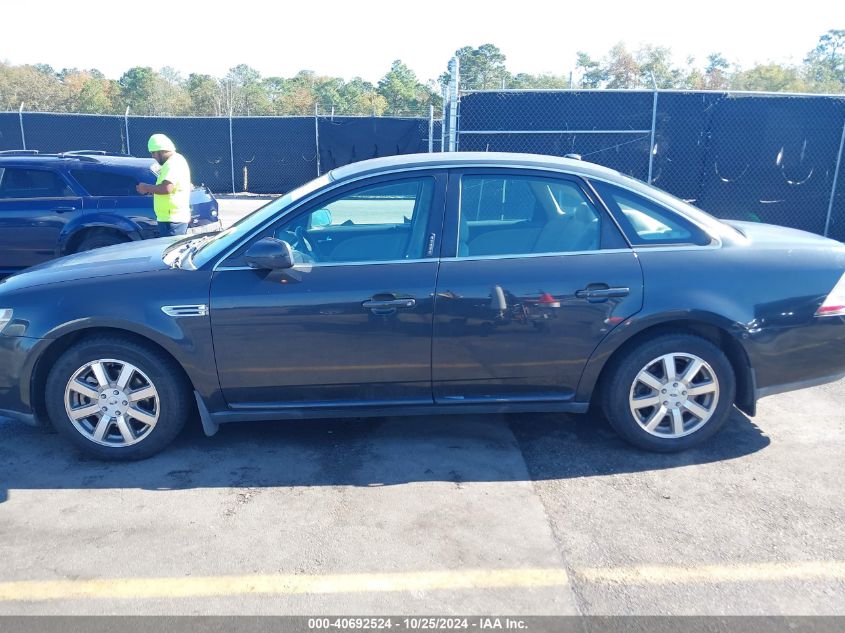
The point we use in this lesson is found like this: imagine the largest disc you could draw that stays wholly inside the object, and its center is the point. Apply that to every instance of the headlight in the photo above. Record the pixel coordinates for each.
(5, 317)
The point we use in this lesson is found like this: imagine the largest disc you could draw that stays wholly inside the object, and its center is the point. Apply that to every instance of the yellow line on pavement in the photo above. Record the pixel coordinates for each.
(754, 572)
(289, 584)
(189, 587)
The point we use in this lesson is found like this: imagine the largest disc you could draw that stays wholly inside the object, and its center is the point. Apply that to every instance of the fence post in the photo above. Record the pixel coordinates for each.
(20, 118)
(231, 150)
(835, 178)
(317, 134)
(443, 119)
(454, 71)
(653, 129)
(126, 127)
(430, 129)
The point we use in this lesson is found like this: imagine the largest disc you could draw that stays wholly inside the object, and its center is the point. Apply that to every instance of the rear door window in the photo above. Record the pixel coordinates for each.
(103, 183)
(497, 199)
(521, 215)
(16, 182)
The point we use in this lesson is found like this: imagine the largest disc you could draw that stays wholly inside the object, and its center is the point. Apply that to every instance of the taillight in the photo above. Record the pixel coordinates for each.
(834, 304)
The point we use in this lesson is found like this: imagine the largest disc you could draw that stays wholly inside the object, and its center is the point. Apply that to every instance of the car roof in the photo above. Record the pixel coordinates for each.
(110, 160)
(472, 159)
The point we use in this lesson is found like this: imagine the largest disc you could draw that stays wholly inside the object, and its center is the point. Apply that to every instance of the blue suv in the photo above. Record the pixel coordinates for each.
(57, 204)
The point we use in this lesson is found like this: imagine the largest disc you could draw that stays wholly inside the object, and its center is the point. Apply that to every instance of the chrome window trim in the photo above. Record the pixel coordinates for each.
(449, 166)
(432, 260)
(47, 199)
(659, 248)
(474, 258)
(306, 266)
(636, 251)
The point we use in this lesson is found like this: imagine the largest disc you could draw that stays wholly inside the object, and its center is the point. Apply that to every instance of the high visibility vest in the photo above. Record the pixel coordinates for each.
(176, 206)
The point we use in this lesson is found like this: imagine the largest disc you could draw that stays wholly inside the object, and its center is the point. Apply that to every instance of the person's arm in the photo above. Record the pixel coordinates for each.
(164, 188)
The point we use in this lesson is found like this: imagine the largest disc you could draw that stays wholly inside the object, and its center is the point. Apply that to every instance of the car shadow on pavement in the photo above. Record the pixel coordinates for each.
(360, 452)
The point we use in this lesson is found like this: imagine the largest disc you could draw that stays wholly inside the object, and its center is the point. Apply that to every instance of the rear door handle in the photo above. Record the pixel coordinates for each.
(602, 293)
(381, 304)
(64, 209)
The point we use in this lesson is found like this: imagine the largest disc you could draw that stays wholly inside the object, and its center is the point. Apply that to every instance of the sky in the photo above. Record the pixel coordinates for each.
(361, 38)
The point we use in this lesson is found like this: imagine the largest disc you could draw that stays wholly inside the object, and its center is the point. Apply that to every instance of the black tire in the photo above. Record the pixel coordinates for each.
(616, 391)
(174, 395)
(100, 239)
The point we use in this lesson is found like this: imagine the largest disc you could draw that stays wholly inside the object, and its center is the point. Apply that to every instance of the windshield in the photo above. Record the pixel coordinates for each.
(220, 242)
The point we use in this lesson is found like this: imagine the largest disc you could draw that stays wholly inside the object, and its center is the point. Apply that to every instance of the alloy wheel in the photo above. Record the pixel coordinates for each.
(674, 395)
(112, 402)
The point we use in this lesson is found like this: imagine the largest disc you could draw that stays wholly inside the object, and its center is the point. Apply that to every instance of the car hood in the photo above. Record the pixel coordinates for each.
(120, 259)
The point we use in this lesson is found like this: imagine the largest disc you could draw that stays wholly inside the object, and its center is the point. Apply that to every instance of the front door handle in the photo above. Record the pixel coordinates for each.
(602, 293)
(390, 304)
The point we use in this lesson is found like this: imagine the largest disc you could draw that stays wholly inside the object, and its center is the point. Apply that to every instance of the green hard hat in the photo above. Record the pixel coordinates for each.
(160, 143)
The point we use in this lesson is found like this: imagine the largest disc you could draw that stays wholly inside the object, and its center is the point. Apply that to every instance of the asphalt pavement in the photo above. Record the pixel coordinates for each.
(520, 514)
(232, 208)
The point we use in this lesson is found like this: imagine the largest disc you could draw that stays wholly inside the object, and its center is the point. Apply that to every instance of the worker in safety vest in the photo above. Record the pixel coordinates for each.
(172, 191)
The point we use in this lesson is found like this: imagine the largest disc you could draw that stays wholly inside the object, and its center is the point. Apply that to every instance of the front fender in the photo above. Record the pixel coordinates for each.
(130, 304)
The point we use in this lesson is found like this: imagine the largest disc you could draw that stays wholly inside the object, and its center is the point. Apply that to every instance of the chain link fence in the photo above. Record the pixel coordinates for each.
(267, 155)
(762, 157)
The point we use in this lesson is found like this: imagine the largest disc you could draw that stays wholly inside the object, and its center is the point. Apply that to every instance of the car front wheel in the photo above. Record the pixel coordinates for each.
(670, 393)
(116, 399)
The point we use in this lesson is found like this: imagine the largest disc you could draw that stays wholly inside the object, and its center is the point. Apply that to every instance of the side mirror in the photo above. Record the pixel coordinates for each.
(321, 218)
(269, 254)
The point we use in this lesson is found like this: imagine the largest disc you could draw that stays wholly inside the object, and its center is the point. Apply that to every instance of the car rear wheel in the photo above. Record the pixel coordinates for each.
(670, 393)
(116, 399)
(100, 239)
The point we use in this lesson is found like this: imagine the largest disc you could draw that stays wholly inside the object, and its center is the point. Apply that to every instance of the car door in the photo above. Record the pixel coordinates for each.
(534, 275)
(351, 324)
(35, 205)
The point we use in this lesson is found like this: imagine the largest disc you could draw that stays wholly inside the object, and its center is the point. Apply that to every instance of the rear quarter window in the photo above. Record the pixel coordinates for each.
(103, 183)
(646, 222)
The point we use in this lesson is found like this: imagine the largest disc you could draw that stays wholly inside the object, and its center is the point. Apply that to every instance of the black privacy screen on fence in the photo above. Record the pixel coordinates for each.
(769, 158)
(750, 156)
(609, 128)
(271, 154)
(345, 140)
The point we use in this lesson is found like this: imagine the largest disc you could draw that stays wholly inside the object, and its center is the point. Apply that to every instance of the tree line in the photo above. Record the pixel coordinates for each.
(243, 91)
